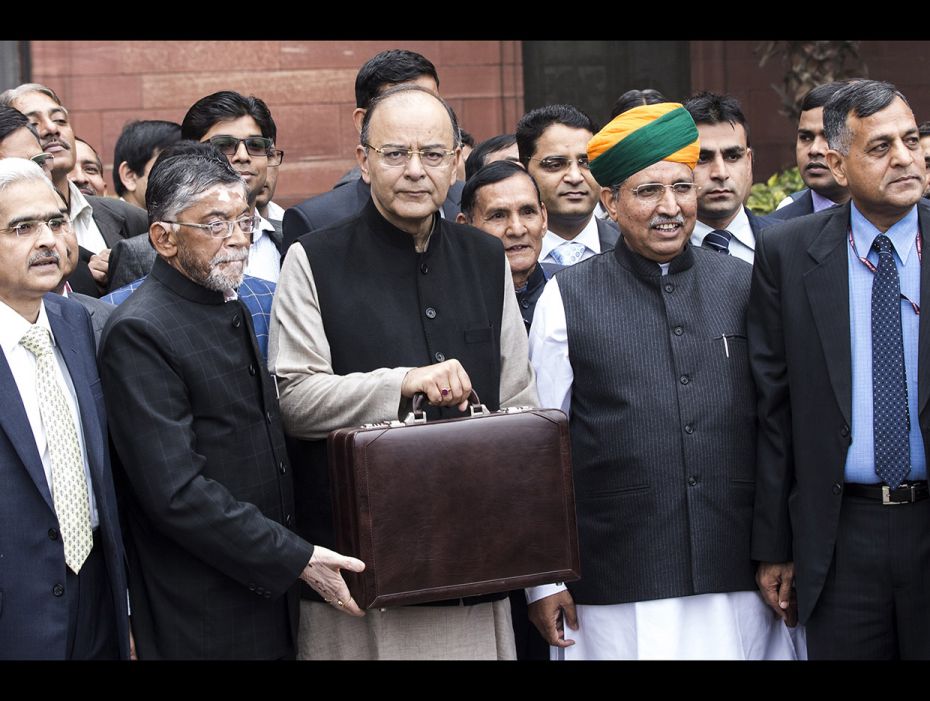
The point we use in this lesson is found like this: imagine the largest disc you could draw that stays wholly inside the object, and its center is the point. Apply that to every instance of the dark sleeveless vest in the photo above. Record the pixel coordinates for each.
(662, 425)
(385, 305)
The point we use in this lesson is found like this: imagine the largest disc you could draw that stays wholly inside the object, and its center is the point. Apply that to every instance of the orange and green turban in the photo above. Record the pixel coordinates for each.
(641, 137)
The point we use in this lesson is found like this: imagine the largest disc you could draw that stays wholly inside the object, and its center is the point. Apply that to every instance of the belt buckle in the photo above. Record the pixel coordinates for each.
(886, 495)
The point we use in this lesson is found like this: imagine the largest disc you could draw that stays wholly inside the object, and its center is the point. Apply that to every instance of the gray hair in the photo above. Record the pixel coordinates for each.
(7, 97)
(181, 174)
(20, 170)
(863, 98)
(409, 88)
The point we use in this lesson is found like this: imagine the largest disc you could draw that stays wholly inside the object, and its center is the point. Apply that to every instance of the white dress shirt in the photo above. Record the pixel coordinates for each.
(22, 365)
(743, 243)
(82, 219)
(588, 236)
(264, 259)
(275, 211)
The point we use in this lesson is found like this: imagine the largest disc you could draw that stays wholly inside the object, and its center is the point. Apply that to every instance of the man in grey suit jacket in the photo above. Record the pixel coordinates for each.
(553, 142)
(351, 193)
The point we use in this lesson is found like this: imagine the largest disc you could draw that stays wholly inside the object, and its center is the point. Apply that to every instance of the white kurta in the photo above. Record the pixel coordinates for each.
(723, 626)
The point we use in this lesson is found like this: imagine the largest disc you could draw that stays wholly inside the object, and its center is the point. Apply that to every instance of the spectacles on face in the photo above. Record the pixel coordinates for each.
(222, 229)
(653, 192)
(275, 157)
(258, 146)
(41, 159)
(559, 164)
(58, 225)
(394, 157)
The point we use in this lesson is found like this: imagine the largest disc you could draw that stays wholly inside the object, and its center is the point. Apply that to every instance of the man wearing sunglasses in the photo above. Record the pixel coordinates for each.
(645, 348)
(552, 142)
(99, 222)
(197, 429)
(243, 130)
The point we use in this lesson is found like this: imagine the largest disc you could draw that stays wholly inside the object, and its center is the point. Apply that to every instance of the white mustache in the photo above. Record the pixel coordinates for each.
(661, 219)
(231, 257)
(42, 255)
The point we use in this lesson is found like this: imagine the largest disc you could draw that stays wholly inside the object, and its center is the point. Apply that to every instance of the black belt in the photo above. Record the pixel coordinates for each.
(907, 493)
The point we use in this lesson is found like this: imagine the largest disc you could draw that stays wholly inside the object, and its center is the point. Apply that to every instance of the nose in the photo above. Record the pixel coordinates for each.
(46, 126)
(516, 227)
(574, 174)
(668, 203)
(819, 146)
(45, 238)
(901, 155)
(413, 169)
(241, 155)
(718, 169)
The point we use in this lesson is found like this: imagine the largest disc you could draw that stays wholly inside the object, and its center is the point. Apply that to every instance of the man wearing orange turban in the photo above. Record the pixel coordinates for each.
(645, 348)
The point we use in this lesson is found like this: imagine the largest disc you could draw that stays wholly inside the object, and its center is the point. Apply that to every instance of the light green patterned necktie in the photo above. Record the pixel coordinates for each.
(69, 487)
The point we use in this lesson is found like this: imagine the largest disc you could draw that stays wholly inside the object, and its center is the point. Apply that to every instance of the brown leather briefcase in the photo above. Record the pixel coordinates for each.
(458, 507)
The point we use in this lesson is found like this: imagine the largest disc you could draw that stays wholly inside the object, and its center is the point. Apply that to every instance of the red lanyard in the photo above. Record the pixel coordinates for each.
(868, 264)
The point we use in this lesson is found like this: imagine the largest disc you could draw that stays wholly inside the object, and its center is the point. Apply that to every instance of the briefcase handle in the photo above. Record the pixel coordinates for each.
(417, 414)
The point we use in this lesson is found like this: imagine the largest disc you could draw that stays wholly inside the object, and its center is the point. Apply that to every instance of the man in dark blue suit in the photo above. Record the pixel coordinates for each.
(62, 583)
(352, 192)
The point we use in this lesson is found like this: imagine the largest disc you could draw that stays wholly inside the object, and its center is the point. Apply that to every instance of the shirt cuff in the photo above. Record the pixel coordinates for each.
(541, 592)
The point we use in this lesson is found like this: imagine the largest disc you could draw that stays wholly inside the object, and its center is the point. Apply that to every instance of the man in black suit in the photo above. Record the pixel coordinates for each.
(834, 337)
(352, 192)
(62, 578)
(552, 142)
(195, 422)
(98, 222)
(724, 177)
(822, 191)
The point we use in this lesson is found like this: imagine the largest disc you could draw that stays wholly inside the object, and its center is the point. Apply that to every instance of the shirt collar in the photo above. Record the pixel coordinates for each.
(588, 236)
(739, 227)
(902, 233)
(820, 202)
(275, 211)
(79, 203)
(263, 226)
(13, 326)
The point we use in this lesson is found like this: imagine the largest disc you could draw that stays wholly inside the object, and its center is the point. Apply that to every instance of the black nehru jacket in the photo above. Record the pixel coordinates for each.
(386, 305)
(662, 425)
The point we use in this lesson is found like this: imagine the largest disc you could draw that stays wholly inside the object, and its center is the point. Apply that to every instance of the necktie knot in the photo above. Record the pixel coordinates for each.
(569, 253)
(882, 244)
(37, 341)
(718, 240)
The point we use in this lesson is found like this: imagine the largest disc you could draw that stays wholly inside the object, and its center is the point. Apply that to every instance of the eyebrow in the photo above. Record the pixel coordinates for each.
(32, 217)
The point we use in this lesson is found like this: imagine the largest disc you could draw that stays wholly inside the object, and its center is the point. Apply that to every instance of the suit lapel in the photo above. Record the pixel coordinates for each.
(66, 336)
(827, 286)
(923, 336)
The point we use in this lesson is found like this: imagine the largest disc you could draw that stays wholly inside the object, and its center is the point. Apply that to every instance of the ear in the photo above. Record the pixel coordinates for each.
(836, 162)
(358, 116)
(361, 156)
(609, 202)
(454, 173)
(163, 240)
(460, 218)
(127, 176)
(545, 217)
(749, 156)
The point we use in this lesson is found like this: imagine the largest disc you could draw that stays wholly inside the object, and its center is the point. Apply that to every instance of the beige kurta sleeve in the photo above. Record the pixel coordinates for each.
(314, 401)
(518, 380)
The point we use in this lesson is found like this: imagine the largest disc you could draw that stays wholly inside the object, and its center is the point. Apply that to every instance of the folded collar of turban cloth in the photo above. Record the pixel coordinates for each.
(641, 137)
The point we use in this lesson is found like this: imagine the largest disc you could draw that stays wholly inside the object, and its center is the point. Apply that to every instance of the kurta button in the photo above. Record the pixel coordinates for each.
(430, 313)
(689, 429)
(692, 480)
(251, 587)
(267, 594)
(684, 379)
(678, 331)
(669, 287)
(58, 590)
(837, 488)
(252, 369)
(53, 534)
(287, 520)
(844, 431)
(424, 268)
(236, 321)
(525, 303)
(282, 468)
(439, 357)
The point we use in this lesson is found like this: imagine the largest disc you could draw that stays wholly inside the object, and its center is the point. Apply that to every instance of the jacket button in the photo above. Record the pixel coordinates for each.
(236, 321)
(282, 468)
(684, 379)
(439, 357)
(844, 431)
(837, 488)
(678, 331)
(424, 268)
(689, 429)
(52, 534)
(669, 287)
(525, 303)
(252, 369)
(430, 313)
(267, 594)
(251, 587)
(58, 590)
(692, 480)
